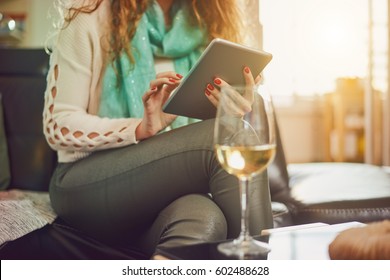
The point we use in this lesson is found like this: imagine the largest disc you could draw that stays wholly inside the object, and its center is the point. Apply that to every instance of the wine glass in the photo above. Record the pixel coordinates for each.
(244, 138)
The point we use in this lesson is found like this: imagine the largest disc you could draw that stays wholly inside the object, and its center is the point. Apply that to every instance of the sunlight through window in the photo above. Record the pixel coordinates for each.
(314, 42)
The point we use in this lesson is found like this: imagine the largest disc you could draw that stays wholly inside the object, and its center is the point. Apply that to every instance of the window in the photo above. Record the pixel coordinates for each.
(314, 42)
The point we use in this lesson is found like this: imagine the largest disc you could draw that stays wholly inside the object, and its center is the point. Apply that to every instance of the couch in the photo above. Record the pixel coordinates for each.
(301, 193)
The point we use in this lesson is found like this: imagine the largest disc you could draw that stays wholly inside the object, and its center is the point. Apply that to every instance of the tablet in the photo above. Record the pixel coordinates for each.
(222, 59)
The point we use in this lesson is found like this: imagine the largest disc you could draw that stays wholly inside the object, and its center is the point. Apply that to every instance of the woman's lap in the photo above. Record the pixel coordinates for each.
(123, 190)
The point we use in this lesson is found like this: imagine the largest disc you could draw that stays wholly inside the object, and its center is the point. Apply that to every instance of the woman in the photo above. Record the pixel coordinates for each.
(119, 178)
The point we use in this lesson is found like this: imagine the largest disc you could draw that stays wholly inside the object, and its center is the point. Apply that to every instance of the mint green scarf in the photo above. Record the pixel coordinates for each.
(183, 43)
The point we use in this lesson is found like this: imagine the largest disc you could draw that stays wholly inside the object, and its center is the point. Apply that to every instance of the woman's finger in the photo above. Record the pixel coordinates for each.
(213, 94)
(218, 82)
(233, 103)
(162, 81)
(169, 74)
(166, 78)
(148, 94)
(249, 81)
(236, 102)
(211, 97)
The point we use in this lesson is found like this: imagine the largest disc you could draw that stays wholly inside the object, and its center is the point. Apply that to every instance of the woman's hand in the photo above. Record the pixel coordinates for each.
(213, 91)
(242, 102)
(154, 118)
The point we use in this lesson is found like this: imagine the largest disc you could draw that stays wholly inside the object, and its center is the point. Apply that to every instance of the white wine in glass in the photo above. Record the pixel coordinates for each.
(245, 144)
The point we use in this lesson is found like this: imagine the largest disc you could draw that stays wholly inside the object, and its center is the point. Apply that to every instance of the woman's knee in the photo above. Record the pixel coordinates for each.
(191, 219)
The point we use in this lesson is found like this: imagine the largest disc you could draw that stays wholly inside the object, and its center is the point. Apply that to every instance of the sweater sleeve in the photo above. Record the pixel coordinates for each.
(73, 86)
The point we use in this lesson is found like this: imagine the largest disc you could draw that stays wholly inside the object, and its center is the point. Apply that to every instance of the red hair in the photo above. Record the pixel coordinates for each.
(221, 19)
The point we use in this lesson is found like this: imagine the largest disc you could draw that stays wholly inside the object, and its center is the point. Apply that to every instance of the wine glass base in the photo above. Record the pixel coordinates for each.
(244, 249)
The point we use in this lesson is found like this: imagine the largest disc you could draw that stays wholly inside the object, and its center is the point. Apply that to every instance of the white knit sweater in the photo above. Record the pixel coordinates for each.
(74, 82)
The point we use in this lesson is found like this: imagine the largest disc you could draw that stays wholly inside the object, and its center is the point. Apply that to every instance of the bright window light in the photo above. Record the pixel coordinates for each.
(314, 42)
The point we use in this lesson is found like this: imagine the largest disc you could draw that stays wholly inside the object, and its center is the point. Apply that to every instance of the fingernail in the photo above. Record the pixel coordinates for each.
(210, 87)
(179, 76)
(247, 70)
(207, 92)
(217, 81)
(172, 80)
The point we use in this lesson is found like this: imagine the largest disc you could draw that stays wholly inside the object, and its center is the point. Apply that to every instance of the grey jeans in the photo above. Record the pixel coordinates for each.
(165, 191)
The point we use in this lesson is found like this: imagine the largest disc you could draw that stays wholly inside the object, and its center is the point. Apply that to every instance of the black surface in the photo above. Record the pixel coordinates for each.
(203, 251)
(59, 241)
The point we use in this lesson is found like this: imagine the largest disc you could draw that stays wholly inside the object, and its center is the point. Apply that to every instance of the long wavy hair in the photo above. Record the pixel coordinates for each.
(221, 19)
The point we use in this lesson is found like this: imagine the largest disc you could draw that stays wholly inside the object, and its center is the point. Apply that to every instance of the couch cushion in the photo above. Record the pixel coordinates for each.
(5, 175)
(339, 192)
(22, 84)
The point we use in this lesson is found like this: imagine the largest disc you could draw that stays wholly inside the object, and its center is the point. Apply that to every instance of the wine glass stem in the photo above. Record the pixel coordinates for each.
(244, 187)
